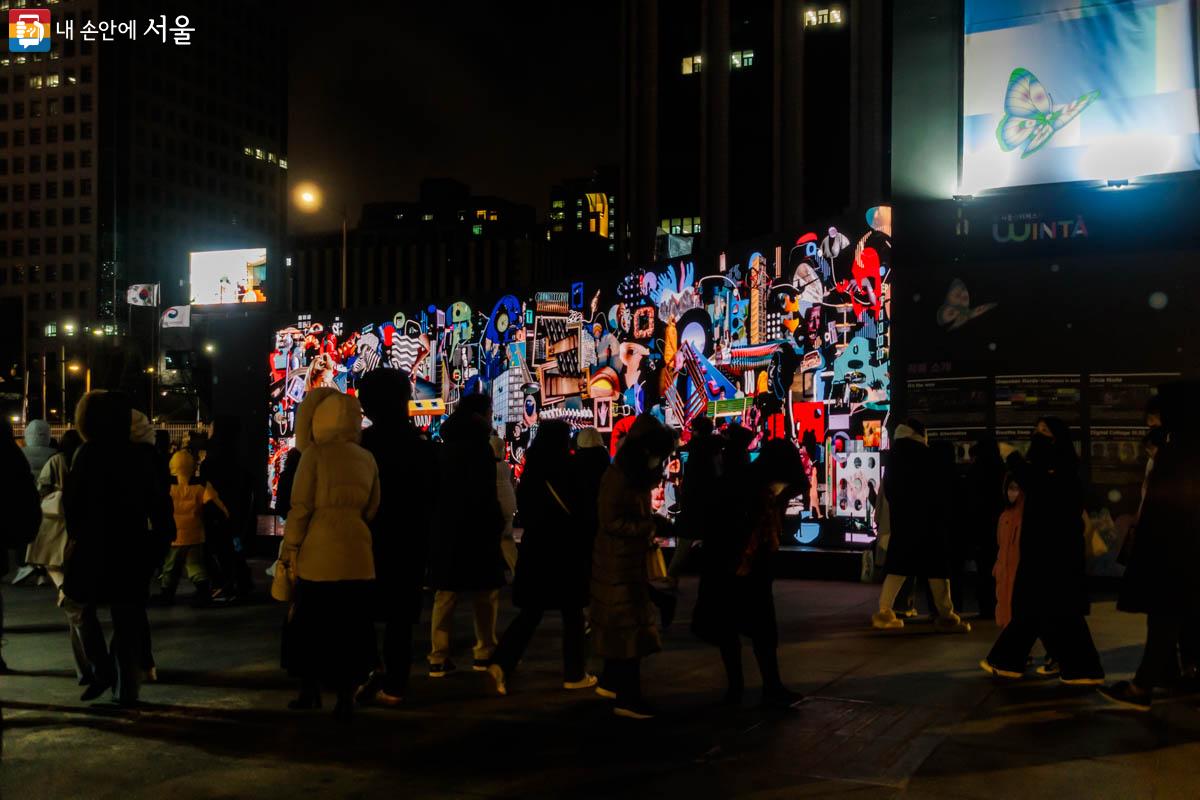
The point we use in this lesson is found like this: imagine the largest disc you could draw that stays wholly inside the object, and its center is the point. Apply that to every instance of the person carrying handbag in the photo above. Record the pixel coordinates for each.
(553, 569)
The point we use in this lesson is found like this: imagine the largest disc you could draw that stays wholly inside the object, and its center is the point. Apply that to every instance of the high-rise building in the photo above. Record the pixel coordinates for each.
(446, 245)
(749, 117)
(584, 225)
(148, 130)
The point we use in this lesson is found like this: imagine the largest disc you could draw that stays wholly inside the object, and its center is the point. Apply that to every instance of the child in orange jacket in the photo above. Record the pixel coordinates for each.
(1008, 538)
(189, 497)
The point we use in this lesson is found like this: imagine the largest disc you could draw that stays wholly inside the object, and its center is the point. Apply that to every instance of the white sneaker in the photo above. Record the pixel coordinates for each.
(23, 574)
(586, 682)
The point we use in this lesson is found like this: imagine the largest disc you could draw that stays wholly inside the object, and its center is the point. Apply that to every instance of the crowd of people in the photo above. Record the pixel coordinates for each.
(1022, 520)
(109, 509)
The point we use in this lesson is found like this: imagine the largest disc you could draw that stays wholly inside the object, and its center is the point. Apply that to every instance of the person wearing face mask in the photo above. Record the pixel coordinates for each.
(622, 611)
(736, 585)
(1049, 597)
(1159, 579)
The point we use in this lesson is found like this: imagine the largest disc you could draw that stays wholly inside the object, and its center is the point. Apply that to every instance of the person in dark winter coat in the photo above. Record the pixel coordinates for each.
(400, 530)
(919, 497)
(1159, 579)
(700, 497)
(553, 566)
(226, 536)
(117, 505)
(23, 510)
(1050, 597)
(622, 613)
(985, 501)
(466, 554)
(736, 584)
(588, 466)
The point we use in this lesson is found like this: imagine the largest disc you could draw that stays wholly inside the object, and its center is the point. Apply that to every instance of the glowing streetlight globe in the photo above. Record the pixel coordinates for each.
(307, 197)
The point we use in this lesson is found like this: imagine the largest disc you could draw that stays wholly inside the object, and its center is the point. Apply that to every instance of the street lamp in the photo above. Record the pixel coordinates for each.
(75, 368)
(308, 199)
(210, 348)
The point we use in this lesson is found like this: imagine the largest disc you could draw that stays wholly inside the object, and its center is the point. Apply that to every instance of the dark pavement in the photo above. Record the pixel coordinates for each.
(887, 715)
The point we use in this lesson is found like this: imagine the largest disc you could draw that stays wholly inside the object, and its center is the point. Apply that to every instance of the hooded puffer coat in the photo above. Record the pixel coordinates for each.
(37, 447)
(335, 495)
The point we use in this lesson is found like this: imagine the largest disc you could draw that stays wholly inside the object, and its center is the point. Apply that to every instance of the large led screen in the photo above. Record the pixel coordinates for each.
(1068, 90)
(229, 276)
(789, 341)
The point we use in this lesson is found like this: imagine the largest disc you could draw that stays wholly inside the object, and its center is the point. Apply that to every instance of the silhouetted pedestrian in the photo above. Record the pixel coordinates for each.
(226, 535)
(465, 555)
(736, 584)
(553, 568)
(1050, 598)
(22, 512)
(622, 613)
(119, 518)
(985, 500)
(700, 496)
(1159, 579)
(917, 496)
(400, 531)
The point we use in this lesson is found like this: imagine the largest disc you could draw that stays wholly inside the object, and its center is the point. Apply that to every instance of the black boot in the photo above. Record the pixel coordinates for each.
(165, 597)
(203, 596)
(309, 697)
(343, 711)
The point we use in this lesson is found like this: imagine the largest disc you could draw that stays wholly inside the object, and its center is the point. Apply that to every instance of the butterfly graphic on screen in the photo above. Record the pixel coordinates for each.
(957, 311)
(1031, 117)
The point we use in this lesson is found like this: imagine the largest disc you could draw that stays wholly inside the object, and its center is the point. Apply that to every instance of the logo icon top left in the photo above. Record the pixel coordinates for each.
(29, 30)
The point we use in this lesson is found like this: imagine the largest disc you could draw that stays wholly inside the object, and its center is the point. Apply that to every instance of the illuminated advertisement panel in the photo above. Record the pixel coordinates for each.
(218, 277)
(790, 341)
(1063, 90)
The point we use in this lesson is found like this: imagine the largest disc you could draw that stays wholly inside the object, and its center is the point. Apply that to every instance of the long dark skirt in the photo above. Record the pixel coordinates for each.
(330, 637)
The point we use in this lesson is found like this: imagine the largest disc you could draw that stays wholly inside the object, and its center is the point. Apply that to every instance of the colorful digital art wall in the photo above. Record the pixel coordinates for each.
(790, 341)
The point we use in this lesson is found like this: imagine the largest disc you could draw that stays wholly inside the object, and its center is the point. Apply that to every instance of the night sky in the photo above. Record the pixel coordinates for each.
(507, 97)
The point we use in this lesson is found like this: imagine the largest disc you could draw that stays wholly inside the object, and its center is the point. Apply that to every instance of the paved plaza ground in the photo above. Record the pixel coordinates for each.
(886, 715)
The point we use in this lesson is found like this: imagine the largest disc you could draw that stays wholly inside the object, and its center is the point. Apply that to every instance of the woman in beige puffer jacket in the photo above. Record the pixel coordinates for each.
(327, 545)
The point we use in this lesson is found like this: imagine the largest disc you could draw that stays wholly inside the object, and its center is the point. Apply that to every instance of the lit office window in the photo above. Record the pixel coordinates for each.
(480, 213)
(427, 217)
(477, 229)
(52, 80)
(258, 153)
(692, 64)
(35, 82)
(741, 58)
(815, 17)
(248, 151)
(676, 226)
(51, 330)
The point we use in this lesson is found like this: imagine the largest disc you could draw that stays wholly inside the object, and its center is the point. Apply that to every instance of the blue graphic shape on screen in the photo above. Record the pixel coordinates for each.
(1030, 115)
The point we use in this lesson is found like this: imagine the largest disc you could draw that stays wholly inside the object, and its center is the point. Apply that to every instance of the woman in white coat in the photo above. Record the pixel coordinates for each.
(327, 547)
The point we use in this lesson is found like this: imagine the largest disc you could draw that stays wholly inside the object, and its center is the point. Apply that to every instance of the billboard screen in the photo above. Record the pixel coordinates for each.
(1063, 90)
(229, 276)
